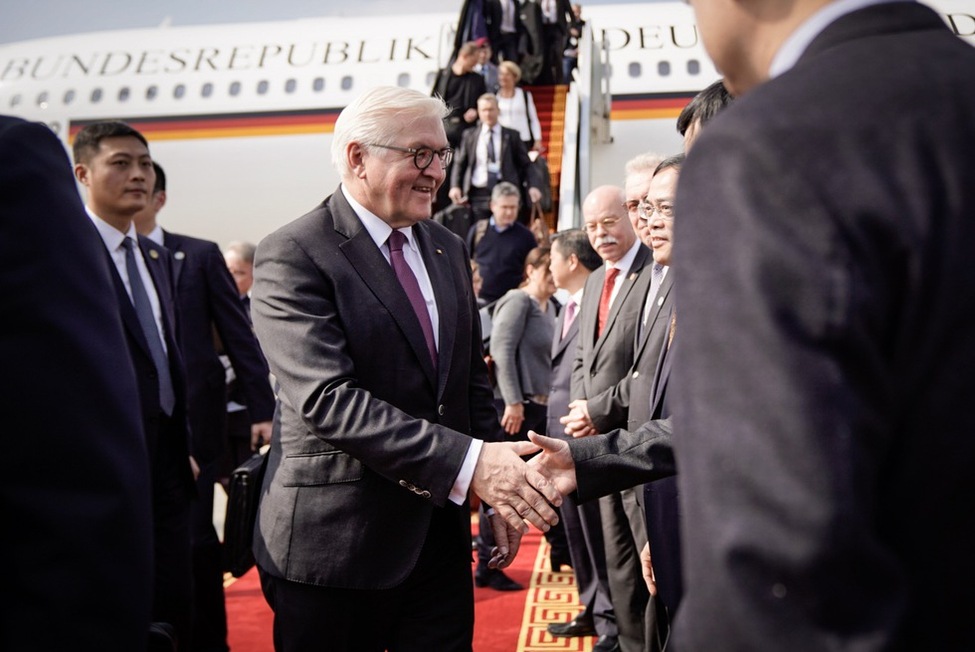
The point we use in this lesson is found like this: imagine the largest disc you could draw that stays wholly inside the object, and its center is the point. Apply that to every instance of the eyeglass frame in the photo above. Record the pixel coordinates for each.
(445, 155)
(642, 215)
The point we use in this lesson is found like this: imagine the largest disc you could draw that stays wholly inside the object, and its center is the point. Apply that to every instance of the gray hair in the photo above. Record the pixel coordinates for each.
(378, 116)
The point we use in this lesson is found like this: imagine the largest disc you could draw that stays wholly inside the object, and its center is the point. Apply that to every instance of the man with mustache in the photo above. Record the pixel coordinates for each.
(611, 308)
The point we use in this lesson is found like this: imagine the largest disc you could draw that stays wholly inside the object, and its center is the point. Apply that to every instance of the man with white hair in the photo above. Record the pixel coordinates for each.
(366, 312)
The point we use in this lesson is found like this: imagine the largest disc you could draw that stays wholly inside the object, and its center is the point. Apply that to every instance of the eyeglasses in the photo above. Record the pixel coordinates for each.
(423, 156)
(646, 211)
(607, 222)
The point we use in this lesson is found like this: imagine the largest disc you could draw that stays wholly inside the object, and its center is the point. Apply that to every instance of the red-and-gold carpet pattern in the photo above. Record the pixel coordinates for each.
(512, 621)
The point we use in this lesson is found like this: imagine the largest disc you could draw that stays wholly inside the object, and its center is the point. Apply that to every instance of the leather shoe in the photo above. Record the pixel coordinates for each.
(578, 626)
(493, 578)
(606, 643)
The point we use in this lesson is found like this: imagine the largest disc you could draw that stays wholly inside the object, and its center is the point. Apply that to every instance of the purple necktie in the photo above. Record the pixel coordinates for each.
(408, 280)
(570, 315)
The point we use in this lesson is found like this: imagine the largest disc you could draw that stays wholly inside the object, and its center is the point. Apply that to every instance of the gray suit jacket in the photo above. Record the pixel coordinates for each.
(521, 340)
(627, 403)
(824, 420)
(601, 363)
(563, 358)
(369, 436)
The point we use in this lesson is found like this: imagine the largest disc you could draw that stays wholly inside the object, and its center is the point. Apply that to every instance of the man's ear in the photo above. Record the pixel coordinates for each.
(354, 155)
(573, 262)
(159, 199)
(81, 174)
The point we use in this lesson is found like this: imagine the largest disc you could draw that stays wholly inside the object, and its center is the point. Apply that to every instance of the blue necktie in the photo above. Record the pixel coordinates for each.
(143, 309)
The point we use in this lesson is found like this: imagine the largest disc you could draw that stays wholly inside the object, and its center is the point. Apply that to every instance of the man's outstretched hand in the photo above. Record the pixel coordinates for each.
(554, 462)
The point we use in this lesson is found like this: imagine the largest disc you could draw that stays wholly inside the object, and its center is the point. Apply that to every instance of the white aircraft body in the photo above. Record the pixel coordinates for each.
(241, 115)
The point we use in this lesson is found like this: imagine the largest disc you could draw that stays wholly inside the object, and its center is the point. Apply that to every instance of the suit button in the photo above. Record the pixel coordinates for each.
(425, 493)
(404, 484)
(441, 409)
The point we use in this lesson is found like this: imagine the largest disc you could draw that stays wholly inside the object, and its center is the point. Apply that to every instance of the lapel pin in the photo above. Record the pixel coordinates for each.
(660, 301)
(439, 251)
(153, 254)
(179, 255)
(633, 276)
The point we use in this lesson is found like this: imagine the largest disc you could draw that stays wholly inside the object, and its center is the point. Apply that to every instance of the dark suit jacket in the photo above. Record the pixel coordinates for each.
(823, 410)
(170, 448)
(76, 486)
(369, 437)
(493, 17)
(516, 167)
(210, 307)
(620, 459)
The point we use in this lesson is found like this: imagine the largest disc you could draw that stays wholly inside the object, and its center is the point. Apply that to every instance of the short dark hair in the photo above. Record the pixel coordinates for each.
(89, 139)
(160, 179)
(576, 241)
(670, 162)
(705, 105)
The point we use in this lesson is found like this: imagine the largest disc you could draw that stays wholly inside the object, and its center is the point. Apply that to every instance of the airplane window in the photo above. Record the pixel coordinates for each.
(262, 87)
(207, 90)
(403, 80)
(318, 85)
(290, 85)
(69, 96)
(151, 92)
(42, 100)
(347, 83)
(634, 69)
(96, 96)
(234, 88)
(179, 91)
(15, 100)
(663, 68)
(693, 67)
(123, 94)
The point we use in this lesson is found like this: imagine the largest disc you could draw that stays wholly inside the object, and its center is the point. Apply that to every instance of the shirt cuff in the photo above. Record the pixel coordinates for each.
(458, 493)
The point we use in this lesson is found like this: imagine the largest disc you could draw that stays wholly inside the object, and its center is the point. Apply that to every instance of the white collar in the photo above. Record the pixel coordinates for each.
(378, 229)
(111, 236)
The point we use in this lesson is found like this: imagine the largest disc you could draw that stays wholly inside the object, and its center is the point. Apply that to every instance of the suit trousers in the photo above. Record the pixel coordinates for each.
(584, 536)
(624, 535)
(209, 612)
(433, 609)
(173, 580)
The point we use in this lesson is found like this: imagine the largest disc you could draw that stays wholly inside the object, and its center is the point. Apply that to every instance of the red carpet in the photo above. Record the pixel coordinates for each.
(512, 621)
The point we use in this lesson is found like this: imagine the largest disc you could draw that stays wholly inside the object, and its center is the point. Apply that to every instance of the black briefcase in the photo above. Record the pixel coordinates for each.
(242, 498)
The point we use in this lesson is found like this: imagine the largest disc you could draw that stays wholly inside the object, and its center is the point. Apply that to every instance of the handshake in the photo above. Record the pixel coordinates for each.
(520, 491)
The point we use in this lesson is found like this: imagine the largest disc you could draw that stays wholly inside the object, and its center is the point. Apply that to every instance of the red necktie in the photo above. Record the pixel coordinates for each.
(605, 297)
